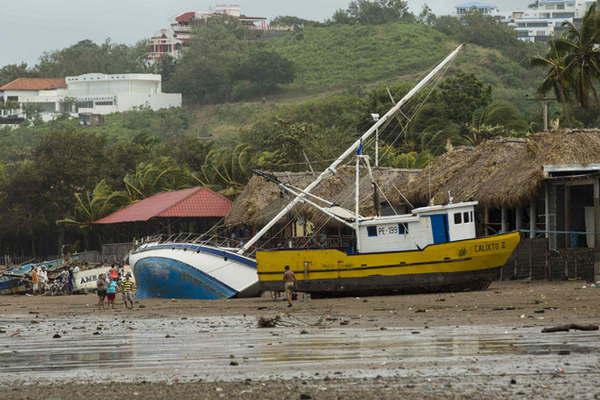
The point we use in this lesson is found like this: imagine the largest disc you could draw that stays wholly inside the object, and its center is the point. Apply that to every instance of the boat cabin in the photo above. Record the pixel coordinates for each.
(424, 226)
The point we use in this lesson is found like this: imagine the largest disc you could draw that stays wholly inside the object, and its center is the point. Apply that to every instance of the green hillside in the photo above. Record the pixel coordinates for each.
(341, 57)
(352, 54)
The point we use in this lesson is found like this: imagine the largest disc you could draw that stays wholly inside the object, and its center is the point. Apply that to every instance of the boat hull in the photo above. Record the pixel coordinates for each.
(454, 266)
(13, 286)
(189, 271)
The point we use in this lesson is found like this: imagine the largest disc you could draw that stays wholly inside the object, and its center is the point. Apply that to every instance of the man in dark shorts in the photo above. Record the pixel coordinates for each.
(289, 282)
(101, 289)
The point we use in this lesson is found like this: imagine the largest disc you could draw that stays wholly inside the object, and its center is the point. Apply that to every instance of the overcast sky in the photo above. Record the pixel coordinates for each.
(30, 27)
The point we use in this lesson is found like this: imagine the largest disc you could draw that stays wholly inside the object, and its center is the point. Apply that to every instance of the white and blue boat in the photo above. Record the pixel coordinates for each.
(187, 270)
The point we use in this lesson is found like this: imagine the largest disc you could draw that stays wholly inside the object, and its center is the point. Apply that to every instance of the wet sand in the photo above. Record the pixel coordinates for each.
(463, 345)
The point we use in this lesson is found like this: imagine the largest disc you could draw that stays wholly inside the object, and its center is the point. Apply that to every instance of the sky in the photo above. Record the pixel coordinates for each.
(30, 27)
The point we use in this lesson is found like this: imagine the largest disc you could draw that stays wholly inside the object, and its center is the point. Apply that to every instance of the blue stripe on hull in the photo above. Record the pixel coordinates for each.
(169, 278)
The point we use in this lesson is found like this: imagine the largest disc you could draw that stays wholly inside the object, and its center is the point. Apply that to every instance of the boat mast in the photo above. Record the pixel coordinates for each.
(331, 169)
(357, 200)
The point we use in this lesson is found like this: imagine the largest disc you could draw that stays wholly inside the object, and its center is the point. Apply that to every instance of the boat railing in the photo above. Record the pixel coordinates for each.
(192, 238)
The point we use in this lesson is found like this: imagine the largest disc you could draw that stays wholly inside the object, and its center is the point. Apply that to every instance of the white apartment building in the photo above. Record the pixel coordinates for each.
(545, 19)
(106, 94)
(97, 94)
(477, 7)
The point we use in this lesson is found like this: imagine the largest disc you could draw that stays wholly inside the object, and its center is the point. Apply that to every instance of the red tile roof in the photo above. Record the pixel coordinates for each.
(185, 17)
(35, 84)
(196, 202)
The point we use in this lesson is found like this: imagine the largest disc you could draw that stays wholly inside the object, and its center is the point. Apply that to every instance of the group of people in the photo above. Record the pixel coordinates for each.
(39, 280)
(112, 283)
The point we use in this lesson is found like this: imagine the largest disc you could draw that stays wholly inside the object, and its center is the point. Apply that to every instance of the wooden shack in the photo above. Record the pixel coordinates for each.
(546, 186)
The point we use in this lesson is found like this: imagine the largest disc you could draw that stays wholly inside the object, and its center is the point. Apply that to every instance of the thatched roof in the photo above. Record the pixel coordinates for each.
(505, 171)
(261, 200)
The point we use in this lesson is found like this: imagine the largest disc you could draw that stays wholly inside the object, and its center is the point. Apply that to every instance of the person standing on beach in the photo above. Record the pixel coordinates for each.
(35, 281)
(101, 286)
(113, 273)
(127, 288)
(289, 282)
(111, 292)
(43, 280)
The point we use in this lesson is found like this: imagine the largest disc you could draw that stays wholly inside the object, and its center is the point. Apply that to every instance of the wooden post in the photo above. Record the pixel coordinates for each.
(504, 217)
(486, 220)
(547, 210)
(518, 214)
(532, 218)
(596, 213)
(567, 216)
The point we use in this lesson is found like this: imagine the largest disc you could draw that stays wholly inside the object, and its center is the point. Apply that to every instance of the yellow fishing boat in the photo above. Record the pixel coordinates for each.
(432, 249)
(462, 265)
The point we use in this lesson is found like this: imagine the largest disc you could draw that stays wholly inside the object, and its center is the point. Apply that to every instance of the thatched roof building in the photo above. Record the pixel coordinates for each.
(503, 172)
(261, 200)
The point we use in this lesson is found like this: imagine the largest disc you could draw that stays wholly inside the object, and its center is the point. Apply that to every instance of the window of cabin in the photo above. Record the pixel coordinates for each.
(466, 217)
(402, 229)
(372, 231)
(472, 219)
(457, 218)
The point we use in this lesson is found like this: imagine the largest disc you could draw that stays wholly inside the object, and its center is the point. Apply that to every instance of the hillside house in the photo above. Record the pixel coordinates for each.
(89, 94)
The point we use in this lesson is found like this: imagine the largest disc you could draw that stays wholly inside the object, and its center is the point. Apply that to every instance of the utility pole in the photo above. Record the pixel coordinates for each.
(545, 107)
(545, 102)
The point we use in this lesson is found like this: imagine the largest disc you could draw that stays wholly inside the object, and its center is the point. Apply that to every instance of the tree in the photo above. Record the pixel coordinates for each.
(288, 20)
(556, 79)
(582, 59)
(11, 72)
(155, 176)
(342, 17)
(427, 16)
(87, 57)
(91, 206)
(265, 70)
(461, 95)
(379, 11)
(204, 73)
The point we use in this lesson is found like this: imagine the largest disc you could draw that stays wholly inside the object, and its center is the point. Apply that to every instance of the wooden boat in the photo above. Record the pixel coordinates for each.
(433, 249)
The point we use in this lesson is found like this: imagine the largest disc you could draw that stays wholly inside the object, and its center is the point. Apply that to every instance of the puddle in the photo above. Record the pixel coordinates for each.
(206, 348)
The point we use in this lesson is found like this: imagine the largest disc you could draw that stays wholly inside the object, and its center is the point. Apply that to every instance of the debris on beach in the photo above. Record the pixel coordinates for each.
(568, 327)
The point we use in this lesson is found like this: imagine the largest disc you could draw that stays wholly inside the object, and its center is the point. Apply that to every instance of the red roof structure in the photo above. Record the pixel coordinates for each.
(35, 84)
(198, 202)
(186, 17)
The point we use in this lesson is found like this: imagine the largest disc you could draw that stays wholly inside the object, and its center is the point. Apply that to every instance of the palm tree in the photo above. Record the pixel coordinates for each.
(582, 59)
(556, 79)
(91, 206)
(157, 176)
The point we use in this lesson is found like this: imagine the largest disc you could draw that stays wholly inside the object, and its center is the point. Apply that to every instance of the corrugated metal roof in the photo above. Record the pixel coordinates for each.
(35, 84)
(196, 202)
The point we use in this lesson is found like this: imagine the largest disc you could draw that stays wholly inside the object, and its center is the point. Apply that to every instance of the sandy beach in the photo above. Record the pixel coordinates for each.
(460, 345)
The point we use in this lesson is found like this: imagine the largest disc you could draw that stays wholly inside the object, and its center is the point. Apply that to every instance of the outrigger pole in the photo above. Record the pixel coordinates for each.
(331, 169)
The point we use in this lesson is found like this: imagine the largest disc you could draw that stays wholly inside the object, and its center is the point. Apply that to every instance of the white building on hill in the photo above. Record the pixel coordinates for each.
(96, 94)
(477, 7)
(545, 19)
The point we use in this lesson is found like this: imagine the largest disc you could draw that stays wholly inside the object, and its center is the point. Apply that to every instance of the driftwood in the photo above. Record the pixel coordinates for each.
(568, 327)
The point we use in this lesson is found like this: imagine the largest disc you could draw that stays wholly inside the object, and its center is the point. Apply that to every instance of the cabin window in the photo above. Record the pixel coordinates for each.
(466, 217)
(402, 229)
(372, 231)
(457, 218)
(472, 219)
